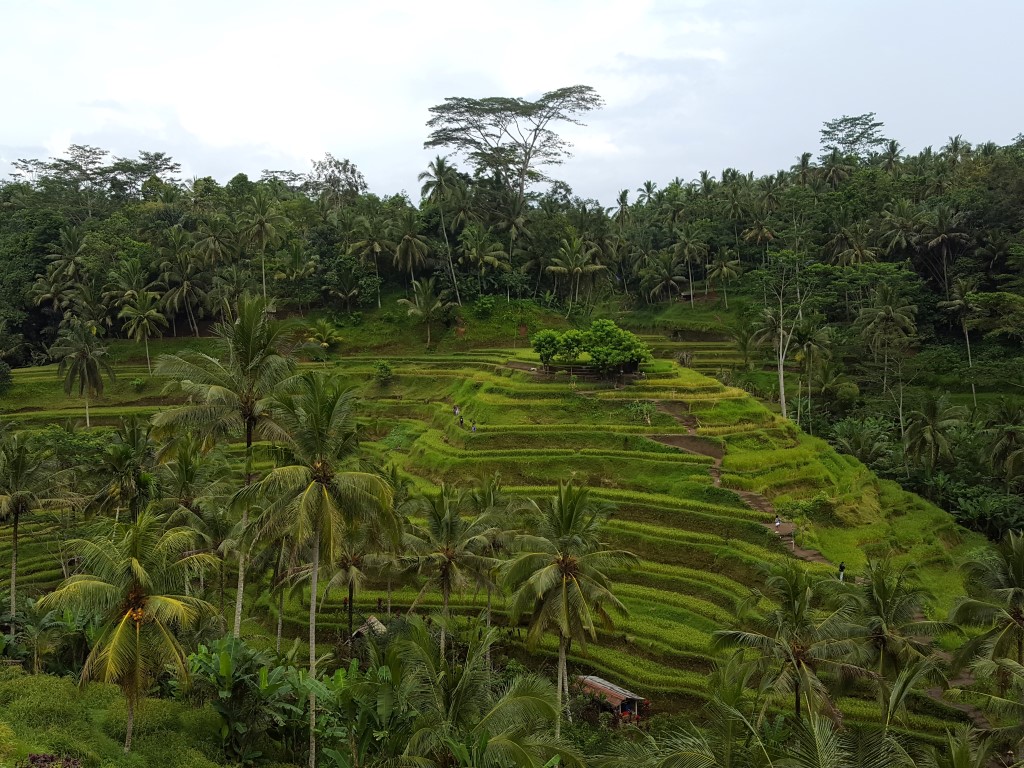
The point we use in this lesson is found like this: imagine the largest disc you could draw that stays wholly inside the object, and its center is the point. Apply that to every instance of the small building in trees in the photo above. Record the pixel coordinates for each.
(625, 705)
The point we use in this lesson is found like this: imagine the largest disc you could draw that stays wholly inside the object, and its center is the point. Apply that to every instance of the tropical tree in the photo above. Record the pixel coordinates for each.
(231, 391)
(892, 602)
(481, 252)
(132, 577)
(465, 720)
(82, 361)
(692, 248)
(312, 495)
(995, 603)
(450, 548)
(576, 257)
(438, 181)
(411, 246)
(661, 275)
(723, 270)
(28, 482)
(930, 429)
(261, 226)
(961, 307)
(559, 574)
(887, 325)
(372, 231)
(798, 639)
(143, 320)
(426, 303)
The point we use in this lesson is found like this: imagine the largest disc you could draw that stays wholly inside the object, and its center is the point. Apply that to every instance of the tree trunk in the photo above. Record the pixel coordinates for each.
(796, 698)
(351, 607)
(87, 424)
(389, 594)
(970, 362)
(376, 273)
(725, 294)
(312, 645)
(263, 270)
(561, 678)
(280, 619)
(130, 725)
(780, 358)
(689, 272)
(240, 590)
(428, 334)
(444, 615)
(451, 262)
(149, 365)
(14, 569)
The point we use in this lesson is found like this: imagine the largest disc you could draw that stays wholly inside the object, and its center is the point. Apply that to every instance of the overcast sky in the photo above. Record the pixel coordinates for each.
(242, 85)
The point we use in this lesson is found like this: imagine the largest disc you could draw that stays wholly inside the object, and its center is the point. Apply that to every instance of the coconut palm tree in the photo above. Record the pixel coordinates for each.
(231, 391)
(261, 225)
(450, 548)
(28, 482)
(887, 324)
(372, 231)
(797, 639)
(132, 576)
(464, 720)
(576, 257)
(426, 303)
(995, 601)
(481, 252)
(692, 248)
(724, 269)
(559, 574)
(312, 494)
(143, 320)
(438, 181)
(82, 361)
(411, 246)
(126, 467)
(944, 236)
(661, 275)
(930, 429)
(891, 601)
(961, 306)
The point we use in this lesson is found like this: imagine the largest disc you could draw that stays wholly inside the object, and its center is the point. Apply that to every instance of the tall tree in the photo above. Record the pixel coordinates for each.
(439, 180)
(133, 577)
(82, 361)
(559, 574)
(312, 494)
(231, 392)
(511, 137)
(426, 303)
(143, 320)
(261, 226)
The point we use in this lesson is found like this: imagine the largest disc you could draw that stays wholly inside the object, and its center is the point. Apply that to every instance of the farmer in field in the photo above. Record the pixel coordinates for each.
(778, 522)
(462, 423)
(842, 571)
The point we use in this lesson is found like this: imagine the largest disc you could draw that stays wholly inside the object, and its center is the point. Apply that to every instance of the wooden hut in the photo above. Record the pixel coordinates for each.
(626, 705)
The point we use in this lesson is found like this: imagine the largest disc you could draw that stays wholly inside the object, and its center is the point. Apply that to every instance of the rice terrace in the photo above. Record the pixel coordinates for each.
(726, 474)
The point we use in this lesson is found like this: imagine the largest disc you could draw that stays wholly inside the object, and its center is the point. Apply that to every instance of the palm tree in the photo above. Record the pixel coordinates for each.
(662, 275)
(311, 495)
(692, 249)
(450, 548)
(465, 721)
(887, 324)
(295, 266)
(67, 258)
(797, 639)
(82, 361)
(438, 181)
(559, 574)
(131, 576)
(944, 236)
(812, 344)
(411, 246)
(723, 269)
(426, 304)
(216, 241)
(126, 468)
(143, 320)
(1005, 429)
(261, 226)
(482, 252)
(960, 306)
(576, 257)
(891, 602)
(231, 392)
(373, 241)
(28, 481)
(902, 225)
(186, 287)
(995, 601)
(930, 431)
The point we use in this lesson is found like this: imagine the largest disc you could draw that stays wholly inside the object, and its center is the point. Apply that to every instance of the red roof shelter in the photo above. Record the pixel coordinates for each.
(625, 704)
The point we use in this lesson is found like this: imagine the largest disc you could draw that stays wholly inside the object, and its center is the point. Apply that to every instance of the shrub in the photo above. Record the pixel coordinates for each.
(483, 307)
(5, 378)
(138, 384)
(383, 373)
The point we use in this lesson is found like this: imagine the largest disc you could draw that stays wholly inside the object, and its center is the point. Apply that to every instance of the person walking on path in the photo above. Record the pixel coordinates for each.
(842, 571)
(778, 522)
(462, 423)
(474, 425)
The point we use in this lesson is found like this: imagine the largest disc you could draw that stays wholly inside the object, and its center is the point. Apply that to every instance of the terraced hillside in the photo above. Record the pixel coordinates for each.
(696, 491)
